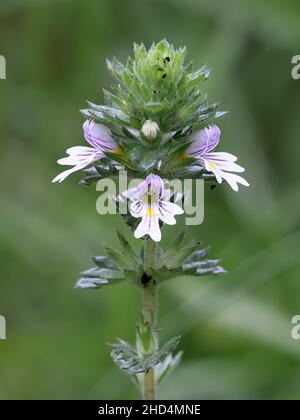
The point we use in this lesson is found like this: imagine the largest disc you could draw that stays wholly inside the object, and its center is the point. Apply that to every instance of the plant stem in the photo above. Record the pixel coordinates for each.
(149, 316)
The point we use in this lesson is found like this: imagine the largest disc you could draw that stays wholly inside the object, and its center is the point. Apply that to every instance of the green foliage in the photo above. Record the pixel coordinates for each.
(127, 358)
(159, 85)
(118, 266)
(179, 258)
(167, 366)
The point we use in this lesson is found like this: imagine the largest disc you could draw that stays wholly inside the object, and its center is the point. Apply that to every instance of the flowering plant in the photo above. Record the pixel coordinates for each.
(157, 125)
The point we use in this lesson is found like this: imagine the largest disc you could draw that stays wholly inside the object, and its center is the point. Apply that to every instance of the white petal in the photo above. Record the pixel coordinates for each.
(149, 226)
(233, 180)
(74, 160)
(167, 218)
(63, 175)
(78, 160)
(167, 211)
(154, 230)
(218, 160)
(214, 169)
(80, 150)
(138, 209)
(220, 156)
(143, 228)
(132, 193)
(80, 154)
(230, 167)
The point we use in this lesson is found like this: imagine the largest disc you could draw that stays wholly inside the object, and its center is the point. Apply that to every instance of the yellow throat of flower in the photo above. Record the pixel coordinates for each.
(150, 212)
(118, 150)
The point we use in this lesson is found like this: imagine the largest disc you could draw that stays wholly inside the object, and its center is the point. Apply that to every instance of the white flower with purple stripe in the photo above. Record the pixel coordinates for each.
(150, 201)
(219, 163)
(99, 137)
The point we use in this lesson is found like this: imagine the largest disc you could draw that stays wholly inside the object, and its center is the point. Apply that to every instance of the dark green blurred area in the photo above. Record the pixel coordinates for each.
(236, 328)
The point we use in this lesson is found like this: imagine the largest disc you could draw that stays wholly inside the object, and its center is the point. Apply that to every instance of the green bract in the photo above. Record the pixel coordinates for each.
(179, 258)
(160, 86)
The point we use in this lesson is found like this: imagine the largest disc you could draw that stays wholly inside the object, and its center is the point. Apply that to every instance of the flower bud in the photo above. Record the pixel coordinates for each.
(150, 129)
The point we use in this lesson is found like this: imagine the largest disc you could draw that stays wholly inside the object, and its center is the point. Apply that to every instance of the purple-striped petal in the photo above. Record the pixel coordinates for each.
(98, 136)
(224, 161)
(204, 141)
(220, 169)
(151, 205)
(79, 157)
(213, 135)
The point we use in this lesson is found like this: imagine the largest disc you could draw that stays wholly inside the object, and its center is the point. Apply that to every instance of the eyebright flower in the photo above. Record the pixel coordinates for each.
(99, 137)
(219, 163)
(150, 129)
(150, 201)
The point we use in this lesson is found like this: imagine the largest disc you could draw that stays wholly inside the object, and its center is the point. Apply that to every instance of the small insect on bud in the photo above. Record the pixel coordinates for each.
(150, 129)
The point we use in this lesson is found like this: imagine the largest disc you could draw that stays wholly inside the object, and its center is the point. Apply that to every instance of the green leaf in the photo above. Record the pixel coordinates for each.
(171, 249)
(131, 221)
(94, 278)
(176, 253)
(182, 253)
(133, 277)
(198, 76)
(118, 157)
(109, 111)
(178, 157)
(168, 366)
(127, 358)
(106, 273)
(197, 255)
(117, 256)
(149, 160)
(116, 67)
(160, 355)
(105, 262)
(89, 283)
(140, 52)
(179, 259)
(131, 257)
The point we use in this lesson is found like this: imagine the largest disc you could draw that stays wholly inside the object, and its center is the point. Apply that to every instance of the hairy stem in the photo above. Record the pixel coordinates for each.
(149, 316)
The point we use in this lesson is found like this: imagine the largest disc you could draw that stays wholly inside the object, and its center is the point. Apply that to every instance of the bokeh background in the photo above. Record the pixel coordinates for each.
(236, 329)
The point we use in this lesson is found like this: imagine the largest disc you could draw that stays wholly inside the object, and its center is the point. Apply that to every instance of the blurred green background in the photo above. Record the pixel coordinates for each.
(236, 328)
